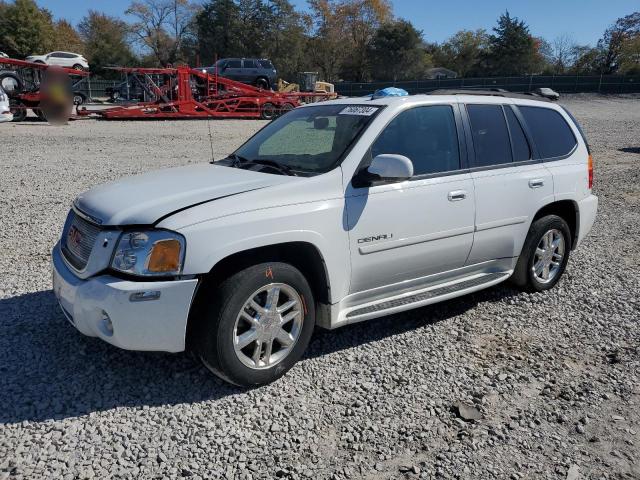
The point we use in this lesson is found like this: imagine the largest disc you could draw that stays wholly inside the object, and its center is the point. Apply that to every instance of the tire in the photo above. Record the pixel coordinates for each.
(287, 107)
(11, 83)
(221, 323)
(528, 274)
(40, 114)
(19, 112)
(268, 111)
(78, 67)
(78, 99)
(262, 83)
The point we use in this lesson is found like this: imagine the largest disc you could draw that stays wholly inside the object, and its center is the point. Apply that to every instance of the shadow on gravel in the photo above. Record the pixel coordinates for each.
(48, 370)
(630, 150)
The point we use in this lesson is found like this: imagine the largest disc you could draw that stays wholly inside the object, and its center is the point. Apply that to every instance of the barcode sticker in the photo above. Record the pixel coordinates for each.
(363, 110)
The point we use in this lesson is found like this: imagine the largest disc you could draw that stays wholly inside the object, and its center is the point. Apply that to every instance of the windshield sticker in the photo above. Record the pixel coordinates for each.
(363, 110)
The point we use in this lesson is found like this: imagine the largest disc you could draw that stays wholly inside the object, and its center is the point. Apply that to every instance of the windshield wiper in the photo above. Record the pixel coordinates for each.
(238, 162)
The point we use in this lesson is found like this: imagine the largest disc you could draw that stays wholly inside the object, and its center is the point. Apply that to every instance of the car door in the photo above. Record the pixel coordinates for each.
(249, 71)
(422, 226)
(510, 184)
(54, 58)
(233, 70)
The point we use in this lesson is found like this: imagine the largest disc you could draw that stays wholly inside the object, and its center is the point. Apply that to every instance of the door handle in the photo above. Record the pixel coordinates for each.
(457, 195)
(536, 183)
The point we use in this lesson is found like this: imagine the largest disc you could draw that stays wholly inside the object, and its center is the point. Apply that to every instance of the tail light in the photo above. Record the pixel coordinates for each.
(590, 170)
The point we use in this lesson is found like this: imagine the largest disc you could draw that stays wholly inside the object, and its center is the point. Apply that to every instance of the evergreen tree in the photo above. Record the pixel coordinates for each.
(25, 29)
(512, 50)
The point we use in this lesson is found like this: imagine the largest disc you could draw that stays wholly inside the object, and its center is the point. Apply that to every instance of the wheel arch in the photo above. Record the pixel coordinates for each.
(304, 256)
(568, 211)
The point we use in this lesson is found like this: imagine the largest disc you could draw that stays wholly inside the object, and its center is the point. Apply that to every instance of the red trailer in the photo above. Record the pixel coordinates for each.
(185, 92)
(21, 80)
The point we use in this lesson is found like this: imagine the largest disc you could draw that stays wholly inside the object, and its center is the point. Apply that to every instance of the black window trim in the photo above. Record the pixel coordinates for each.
(462, 145)
(513, 148)
(539, 154)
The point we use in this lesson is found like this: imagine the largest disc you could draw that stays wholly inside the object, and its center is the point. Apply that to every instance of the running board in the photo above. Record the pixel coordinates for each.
(423, 297)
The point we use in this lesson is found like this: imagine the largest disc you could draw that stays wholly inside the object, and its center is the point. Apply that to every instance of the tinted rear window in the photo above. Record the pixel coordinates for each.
(490, 135)
(551, 133)
(250, 64)
(521, 150)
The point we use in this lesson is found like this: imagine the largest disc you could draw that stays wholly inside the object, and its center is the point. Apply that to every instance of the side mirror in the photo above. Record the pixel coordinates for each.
(386, 168)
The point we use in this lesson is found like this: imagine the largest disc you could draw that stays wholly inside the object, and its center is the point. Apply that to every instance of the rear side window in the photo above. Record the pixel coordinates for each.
(425, 135)
(521, 150)
(266, 64)
(551, 133)
(490, 135)
(250, 64)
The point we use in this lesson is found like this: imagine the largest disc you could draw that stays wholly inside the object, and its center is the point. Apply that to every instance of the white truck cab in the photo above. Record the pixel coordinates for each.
(334, 213)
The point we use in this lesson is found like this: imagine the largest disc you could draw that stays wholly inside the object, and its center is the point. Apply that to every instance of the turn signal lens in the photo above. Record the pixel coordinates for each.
(164, 257)
(590, 172)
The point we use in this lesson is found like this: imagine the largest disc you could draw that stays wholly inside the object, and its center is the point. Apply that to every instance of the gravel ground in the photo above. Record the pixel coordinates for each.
(554, 376)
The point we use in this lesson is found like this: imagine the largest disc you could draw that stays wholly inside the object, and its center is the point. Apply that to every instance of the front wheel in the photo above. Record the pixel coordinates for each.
(256, 325)
(544, 255)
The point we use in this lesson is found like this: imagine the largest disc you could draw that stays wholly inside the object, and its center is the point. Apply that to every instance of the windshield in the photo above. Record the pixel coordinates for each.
(309, 140)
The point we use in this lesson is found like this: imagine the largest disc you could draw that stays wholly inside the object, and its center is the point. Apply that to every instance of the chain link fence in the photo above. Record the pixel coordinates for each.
(560, 83)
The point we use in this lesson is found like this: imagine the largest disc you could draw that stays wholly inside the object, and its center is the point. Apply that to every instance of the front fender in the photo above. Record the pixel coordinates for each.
(317, 223)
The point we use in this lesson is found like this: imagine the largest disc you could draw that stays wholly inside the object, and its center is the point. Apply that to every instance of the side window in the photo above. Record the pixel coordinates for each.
(490, 135)
(550, 131)
(56, 55)
(234, 64)
(521, 150)
(425, 135)
(250, 64)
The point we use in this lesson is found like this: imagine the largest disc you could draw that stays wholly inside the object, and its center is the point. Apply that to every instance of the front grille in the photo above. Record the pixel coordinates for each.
(78, 240)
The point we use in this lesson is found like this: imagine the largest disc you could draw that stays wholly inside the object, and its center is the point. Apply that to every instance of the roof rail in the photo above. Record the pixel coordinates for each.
(491, 92)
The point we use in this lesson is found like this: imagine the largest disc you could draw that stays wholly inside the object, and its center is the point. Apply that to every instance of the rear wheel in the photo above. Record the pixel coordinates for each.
(78, 99)
(268, 111)
(544, 255)
(78, 67)
(262, 83)
(255, 325)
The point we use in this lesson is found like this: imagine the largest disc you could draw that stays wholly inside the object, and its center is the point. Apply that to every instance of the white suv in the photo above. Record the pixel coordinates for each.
(334, 213)
(5, 107)
(61, 59)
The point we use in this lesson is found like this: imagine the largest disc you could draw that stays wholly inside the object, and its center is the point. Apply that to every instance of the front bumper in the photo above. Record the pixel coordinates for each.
(153, 325)
(6, 117)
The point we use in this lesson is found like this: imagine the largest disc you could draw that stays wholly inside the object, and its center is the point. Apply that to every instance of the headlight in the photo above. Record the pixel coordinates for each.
(149, 253)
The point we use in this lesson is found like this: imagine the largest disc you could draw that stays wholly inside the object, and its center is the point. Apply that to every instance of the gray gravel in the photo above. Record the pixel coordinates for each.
(498, 384)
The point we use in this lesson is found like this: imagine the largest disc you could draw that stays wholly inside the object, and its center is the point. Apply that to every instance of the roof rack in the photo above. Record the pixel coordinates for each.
(491, 92)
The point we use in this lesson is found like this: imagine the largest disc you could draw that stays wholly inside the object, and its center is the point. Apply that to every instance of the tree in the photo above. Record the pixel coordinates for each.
(512, 50)
(561, 55)
(219, 30)
(327, 45)
(629, 60)
(397, 52)
(25, 29)
(162, 26)
(587, 60)
(105, 40)
(612, 43)
(65, 37)
(463, 52)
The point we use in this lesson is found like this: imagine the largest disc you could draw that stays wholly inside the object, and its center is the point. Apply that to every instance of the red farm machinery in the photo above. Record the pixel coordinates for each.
(22, 82)
(185, 93)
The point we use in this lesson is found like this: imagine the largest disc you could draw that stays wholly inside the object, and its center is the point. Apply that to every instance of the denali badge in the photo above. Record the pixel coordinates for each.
(376, 238)
(74, 237)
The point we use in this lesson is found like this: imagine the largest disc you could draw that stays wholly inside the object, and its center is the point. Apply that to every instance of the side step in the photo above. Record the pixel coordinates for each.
(425, 297)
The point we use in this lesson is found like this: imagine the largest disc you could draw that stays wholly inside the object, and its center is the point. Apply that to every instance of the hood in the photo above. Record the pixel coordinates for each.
(144, 199)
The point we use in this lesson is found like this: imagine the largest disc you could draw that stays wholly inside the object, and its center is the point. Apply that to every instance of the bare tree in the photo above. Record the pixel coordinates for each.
(162, 26)
(562, 53)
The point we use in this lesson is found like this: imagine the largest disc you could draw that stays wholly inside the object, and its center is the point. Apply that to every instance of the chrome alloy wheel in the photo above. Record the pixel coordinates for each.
(268, 326)
(547, 260)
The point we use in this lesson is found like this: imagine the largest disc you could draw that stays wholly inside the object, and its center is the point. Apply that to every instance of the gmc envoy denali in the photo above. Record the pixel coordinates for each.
(334, 213)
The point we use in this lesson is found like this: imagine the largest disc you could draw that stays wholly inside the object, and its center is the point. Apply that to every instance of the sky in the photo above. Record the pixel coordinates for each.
(583, 20)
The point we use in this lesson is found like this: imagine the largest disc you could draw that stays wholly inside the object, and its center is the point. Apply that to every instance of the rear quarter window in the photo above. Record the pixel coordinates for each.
(551, 133)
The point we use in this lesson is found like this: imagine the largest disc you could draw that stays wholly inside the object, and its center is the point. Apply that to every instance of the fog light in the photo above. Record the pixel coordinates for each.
(106, 324)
